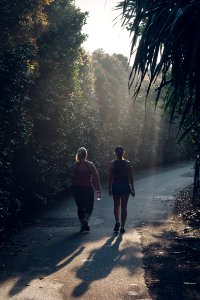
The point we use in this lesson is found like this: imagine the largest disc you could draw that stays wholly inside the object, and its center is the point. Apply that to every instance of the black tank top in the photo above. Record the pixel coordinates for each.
(120, 171)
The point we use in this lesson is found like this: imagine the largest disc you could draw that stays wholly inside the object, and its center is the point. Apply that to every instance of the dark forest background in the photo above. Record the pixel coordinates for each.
(55, 98)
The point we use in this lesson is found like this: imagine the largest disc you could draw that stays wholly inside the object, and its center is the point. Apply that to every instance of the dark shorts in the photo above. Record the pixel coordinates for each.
(119, 189)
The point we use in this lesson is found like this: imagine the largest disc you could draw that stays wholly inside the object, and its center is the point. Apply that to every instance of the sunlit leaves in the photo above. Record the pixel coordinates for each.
(40, 42)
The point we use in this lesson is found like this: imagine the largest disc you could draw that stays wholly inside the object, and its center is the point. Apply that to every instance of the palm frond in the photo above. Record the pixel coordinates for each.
(166, 45)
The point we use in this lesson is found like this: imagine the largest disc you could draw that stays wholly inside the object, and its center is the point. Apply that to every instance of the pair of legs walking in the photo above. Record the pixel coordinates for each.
(120, 210)
(84, 198)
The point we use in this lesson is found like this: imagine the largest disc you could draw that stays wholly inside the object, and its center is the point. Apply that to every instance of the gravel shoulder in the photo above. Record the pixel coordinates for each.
(171, 252)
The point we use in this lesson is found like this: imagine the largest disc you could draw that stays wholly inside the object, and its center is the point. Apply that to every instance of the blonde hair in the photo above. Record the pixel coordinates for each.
(81, 154)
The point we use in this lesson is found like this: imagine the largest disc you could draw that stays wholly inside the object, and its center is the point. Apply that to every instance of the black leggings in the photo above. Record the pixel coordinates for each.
(84, 197)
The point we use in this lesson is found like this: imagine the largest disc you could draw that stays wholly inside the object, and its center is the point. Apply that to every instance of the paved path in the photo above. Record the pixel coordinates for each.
(52, 261)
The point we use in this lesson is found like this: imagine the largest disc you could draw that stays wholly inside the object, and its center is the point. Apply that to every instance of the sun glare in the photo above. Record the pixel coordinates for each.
(104, 31)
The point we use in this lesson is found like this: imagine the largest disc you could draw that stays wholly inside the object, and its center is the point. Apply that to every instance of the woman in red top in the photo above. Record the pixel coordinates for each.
(120, 186)
(84, 174)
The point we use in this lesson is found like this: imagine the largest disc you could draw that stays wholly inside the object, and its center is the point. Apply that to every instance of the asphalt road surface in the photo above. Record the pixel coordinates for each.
(51, 260)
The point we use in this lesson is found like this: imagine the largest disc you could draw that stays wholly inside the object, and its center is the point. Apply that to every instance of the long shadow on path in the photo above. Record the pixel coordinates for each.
(45, 260)
(101, 262)
(49, 257)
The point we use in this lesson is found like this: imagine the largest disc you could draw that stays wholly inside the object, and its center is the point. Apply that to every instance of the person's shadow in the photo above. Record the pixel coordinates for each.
(100, 264)
(47, 260)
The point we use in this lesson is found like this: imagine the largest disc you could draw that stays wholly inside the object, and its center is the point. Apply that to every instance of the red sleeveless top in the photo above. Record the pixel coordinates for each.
(82, 174)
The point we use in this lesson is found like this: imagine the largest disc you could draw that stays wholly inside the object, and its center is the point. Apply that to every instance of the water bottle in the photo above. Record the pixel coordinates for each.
(98, 195)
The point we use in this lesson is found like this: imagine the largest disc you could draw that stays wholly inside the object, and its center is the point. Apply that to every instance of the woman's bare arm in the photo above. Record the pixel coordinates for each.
(130, 179)
(95, 175)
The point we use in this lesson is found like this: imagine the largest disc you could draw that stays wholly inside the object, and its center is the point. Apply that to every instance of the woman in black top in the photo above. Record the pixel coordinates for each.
(120, 187)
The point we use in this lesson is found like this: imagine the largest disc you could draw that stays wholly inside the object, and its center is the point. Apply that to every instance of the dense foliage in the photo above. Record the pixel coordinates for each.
(40, 41)
(56, 98)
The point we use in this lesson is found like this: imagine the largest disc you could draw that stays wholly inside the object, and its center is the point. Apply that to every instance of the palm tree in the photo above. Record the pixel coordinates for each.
(166, 44)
